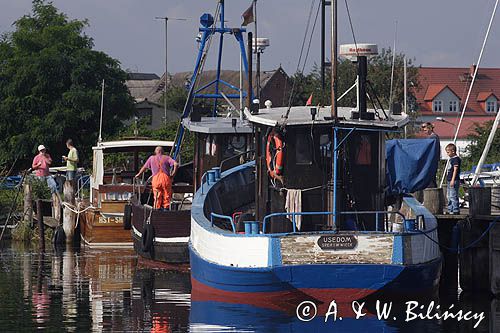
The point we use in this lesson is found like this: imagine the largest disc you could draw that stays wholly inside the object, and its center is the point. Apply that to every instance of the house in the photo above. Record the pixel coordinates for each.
(147, 90)
(442, 94)
(275, 84)
(142, 87)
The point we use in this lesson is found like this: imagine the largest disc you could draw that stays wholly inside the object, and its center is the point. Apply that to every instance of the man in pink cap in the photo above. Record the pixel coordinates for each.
(41, 164)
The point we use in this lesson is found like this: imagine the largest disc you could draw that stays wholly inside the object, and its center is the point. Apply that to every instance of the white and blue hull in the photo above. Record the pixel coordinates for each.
(399, 264)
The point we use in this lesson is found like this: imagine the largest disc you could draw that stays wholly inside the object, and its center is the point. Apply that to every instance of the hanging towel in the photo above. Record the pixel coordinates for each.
(293, 204)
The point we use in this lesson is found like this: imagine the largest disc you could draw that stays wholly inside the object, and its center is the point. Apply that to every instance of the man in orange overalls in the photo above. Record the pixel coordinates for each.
(163, 168)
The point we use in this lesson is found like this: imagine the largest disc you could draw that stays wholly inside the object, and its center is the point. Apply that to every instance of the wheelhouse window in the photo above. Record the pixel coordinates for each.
(437, 106)
(303, 149)
(491, 106)
(453, 106)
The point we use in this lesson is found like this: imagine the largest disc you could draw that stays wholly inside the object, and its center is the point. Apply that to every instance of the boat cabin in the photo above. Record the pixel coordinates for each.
(219, 142)
(307, 163)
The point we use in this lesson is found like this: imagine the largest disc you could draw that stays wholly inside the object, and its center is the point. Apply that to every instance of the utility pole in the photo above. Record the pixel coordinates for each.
(166, 62)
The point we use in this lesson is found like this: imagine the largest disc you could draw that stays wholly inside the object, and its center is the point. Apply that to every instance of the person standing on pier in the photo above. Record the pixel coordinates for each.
(453, 178)
(163, 168)
(41, 164)
(71, 161)
(428, 129)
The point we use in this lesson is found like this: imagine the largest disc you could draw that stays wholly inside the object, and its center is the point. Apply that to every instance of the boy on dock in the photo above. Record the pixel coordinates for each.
(453, 178)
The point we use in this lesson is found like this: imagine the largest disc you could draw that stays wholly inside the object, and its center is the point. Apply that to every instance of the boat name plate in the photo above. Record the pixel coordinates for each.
(337, 242)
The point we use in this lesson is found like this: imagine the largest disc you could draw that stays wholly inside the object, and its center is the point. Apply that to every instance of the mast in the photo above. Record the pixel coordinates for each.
(102, 110)
(471, 86)
(486, 149)
(207, 30)
(334, 60)
(405, 88)
(334, 107)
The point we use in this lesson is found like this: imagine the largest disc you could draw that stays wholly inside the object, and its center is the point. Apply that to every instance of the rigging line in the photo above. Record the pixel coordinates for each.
(471, 84)
(352, 27)
(10, 170)
(311, 37)
(292, 93)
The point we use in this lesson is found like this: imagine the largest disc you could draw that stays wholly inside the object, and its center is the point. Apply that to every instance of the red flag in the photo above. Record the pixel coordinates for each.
(248, 16)
(310, 100)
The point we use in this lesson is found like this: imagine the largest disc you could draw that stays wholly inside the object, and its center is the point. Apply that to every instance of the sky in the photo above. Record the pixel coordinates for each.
(441, 33)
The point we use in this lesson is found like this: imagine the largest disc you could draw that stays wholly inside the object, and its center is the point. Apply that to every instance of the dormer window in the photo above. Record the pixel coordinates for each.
(453, 106)
(491, 105)
(437, 106)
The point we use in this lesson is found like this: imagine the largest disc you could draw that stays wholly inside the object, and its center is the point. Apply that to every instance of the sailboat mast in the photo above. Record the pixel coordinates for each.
(102, 110)
(334, 60)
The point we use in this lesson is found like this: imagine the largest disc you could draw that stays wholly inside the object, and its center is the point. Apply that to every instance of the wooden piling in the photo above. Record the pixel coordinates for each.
(494, 262)
(56, 206)
(448, 284)
(434, 200)
(474, 260)
(41, 225)
(479, 201)
(28, 204)
(69, 217)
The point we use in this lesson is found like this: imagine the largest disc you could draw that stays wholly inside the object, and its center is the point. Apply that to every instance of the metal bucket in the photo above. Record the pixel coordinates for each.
(251, 227)
(217, 173)
(211, 177)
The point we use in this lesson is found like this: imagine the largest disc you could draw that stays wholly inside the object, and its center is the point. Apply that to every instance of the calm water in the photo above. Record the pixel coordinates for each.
(93, 290)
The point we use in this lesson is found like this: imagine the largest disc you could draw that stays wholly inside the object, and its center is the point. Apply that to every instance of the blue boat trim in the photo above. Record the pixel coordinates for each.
(393, 278)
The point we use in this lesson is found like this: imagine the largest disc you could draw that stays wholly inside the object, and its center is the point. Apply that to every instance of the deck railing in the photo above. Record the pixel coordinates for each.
(224, 217)
(377, 214)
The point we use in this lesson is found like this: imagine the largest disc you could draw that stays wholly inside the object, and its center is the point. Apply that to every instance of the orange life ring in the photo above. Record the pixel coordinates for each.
(275, 159)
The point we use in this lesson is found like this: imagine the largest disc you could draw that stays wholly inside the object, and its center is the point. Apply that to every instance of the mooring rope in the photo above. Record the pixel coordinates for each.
(459, 249)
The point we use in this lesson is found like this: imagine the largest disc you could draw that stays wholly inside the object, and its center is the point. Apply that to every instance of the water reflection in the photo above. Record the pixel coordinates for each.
(95, 290)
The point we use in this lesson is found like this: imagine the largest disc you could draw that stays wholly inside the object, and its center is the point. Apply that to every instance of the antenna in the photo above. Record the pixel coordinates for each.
(166, 61)
(393, 65)
(102, 108)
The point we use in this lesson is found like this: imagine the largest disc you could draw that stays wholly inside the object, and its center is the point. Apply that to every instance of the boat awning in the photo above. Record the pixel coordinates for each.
(301, 115)
(120, 146)
(132, 145)
(218, 125)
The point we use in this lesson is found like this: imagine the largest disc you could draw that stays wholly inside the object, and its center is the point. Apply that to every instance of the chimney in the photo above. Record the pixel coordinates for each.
(472, 70)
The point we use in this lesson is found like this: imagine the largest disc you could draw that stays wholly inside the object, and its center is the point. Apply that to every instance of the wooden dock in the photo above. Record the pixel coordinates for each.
(470, 244)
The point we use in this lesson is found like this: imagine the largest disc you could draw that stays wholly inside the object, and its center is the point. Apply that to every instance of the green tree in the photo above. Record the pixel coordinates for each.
(478, 142)
(50, 87)
(379, 76)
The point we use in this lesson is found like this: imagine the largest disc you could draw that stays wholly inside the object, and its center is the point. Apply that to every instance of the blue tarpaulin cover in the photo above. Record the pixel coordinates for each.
(411, 164)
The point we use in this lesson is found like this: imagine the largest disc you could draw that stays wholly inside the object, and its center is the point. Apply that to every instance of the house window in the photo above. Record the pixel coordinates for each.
(491, 106)
(437, 106)
(453, 107)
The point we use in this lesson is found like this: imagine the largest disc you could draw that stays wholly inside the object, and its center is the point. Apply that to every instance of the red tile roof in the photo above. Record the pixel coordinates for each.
(435, 89)
(447, 130)
(484, 95)
(458, 80)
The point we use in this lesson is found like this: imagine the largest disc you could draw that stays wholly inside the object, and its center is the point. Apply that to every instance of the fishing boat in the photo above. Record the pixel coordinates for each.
(223, 139)
(313, 207)
(218, 142)
(115, 163)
